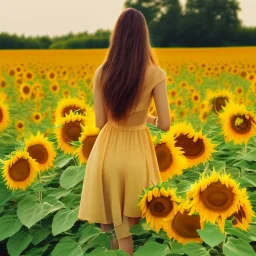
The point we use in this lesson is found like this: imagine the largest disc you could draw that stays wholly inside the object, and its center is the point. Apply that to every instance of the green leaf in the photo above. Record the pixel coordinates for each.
(218, 165)
(37, 251)
(183, 187)
(245, 235)
(18, 243)
(248, 179)
(211, 234)
(251, 156)
(152, 248)
(63, 160)
(5, 194)
(89, 232)
(195, 249)
(39, 234)
(140, 228)
(237, 247)
(63, 220)
(9, 225)
(67, 247)
(71, 176)
(31, 211)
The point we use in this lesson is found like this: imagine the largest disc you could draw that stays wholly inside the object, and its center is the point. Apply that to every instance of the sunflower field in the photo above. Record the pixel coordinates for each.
(204, 206)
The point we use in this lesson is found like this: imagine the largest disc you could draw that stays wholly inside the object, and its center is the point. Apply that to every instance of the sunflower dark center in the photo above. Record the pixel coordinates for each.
(240, 124)
(191, 149)
(88, 145)
(26, 89)
(160, 206)
(219, 103)
(217, 197)
(186, 225)
(20, 170)
(71, 131)
(38, 152)
(164, 157)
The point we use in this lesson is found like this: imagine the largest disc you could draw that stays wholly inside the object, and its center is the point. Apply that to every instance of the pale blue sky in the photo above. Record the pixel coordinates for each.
(58, 17)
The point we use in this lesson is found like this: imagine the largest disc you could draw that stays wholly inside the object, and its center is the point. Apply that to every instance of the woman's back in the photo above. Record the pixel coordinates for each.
(154, 76)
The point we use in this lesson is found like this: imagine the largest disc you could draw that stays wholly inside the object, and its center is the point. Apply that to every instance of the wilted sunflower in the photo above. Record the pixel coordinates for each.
(215, 198)
(20, 171)
(70, 104)
(170, 158)
(158, 205)
(40, 149)
(217, 100)
(197, 147)
(4, 116)
(69, 129)
(183, 227)
(87, 140)
(238, 124)
(243, 216)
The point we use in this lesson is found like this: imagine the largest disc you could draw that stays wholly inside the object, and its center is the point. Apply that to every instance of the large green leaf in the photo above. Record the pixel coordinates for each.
(5, 193)
(63, 220)
(71, 176)
(87, 233)
(152, 248)
(195, 249)
(30, 210)
(37, 251)
(211, 234)
(237, 247)
(9, 225)
(63, 160)
(39, 234)
(67, 247)
(18, 243)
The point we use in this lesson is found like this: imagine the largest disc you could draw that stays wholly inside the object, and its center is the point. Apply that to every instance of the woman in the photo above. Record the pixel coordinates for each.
(123, 161)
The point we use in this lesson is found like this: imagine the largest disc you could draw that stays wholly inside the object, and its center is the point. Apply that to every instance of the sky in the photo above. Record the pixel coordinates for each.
(59, 17)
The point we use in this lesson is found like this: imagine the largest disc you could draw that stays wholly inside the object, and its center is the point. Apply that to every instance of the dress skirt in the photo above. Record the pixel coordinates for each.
(122, 162)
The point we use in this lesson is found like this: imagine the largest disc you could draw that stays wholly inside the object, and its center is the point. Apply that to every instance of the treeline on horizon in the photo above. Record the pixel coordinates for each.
(201, 23)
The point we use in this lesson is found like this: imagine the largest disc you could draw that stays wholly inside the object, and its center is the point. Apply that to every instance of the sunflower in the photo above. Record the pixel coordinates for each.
(203, 115)
(197, 147)
(54, 87)
(179, 102)
(4, 116)
(253, 86)
(25, 91)
(11, 72)
(183, 84)
(169, 79)
(183, 227)
(238, 124)
(173, 93)
(40, 149)
(65, 93)
(20, 171)
(243, 216)
(20, 125)
(69, 129)
(70, 104)
(217, 100)
(170, 158)
(239, 90)
(36, 117)
(51, 75)
(87, 140)
(215, 198)
(195, 97)
(157, 205)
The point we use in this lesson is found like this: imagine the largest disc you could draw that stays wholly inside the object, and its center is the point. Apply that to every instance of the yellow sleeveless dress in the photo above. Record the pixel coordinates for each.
(122, 162)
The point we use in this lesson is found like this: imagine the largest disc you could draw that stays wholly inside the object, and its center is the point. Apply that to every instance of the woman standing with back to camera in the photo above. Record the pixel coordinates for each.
(123, 161)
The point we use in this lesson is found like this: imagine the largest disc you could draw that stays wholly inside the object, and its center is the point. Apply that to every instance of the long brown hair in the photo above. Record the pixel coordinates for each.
(123, 71)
